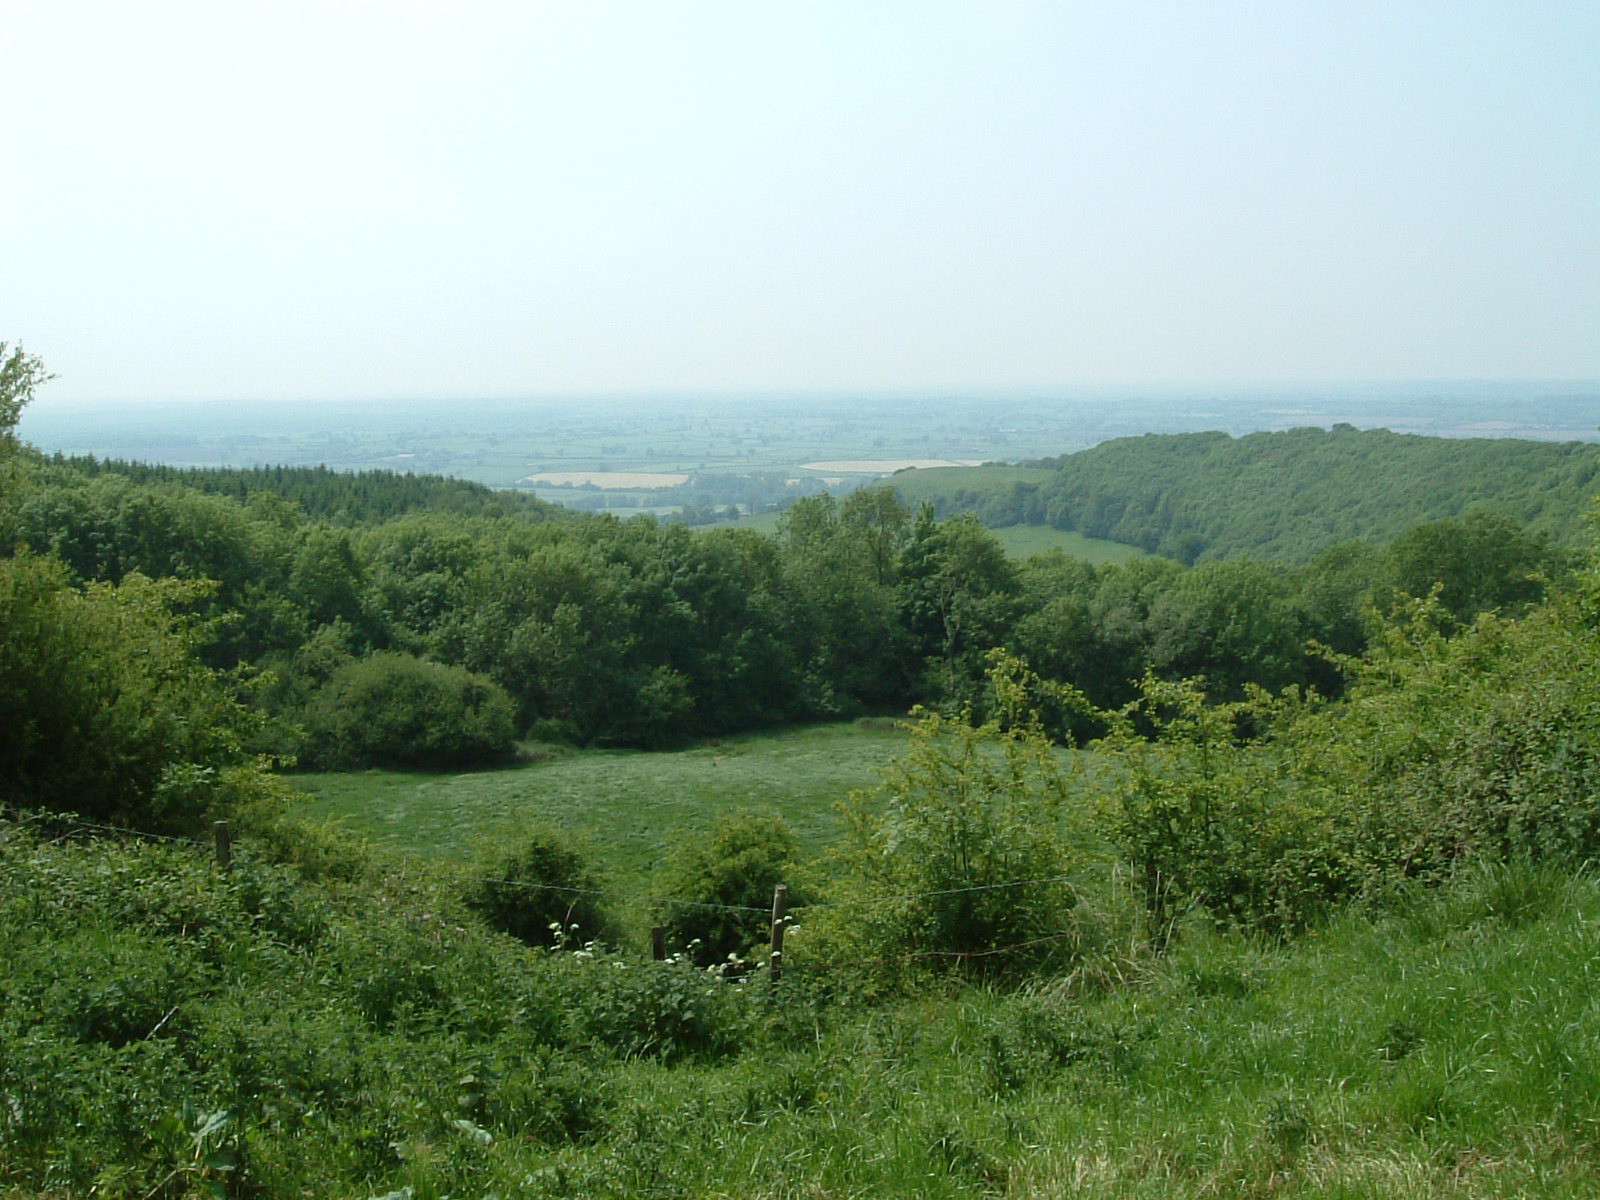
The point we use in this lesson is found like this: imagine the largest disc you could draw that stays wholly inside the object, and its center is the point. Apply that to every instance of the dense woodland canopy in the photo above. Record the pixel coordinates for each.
(1287, 496)
(196, 630)
(595, 630)
(339, 497)
(334, 601)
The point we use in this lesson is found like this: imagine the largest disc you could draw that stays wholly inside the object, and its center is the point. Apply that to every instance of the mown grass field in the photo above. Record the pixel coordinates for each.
(1021, 541)
(629, 807)
(760, 522)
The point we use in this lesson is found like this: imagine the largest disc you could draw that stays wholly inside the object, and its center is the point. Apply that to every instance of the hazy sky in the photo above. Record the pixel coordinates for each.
(395, 199)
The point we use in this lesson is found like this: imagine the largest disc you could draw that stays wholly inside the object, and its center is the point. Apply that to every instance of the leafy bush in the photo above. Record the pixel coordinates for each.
(736, 867)
(392, 709)
(545, 895)
(105, 711)
(669, 1010)
(1205, 817)
(1481, 745)
(1484, 745)
(959, 859)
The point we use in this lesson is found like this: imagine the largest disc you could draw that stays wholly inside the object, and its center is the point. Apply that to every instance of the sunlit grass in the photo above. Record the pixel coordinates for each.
(629, 806)
(1449, 1050)
(1445, 1046)
(1020, 541)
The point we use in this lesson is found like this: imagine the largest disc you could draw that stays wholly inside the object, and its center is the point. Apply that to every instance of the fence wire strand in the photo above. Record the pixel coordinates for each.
(630, 896)
(913, 955)
(77, 826)
(976, 887)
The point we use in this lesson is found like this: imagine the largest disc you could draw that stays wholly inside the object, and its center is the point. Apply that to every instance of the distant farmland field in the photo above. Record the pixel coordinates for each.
(609, 479)
(883, 466)
(939, 483)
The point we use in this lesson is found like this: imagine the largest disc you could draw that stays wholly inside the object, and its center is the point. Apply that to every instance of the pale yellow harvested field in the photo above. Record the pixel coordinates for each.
(886, 466)
(609, 479)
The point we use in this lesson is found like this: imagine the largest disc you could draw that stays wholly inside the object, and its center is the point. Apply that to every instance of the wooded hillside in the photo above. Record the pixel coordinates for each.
(1284, 496)
(418, 620)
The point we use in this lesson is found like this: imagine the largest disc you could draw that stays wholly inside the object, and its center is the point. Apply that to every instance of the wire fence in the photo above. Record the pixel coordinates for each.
(221, 848)
(70, 825)
(914, 955)
(76, 826)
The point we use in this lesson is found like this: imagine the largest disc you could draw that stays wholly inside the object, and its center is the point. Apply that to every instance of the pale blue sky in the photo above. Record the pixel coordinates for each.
(355, 198)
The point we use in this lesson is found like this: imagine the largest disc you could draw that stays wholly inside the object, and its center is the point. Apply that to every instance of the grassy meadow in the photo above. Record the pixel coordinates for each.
(1443, 1047)
(935, 483)
(250, 1035)
(628, 806)
(349, 1027)
(1022, 541)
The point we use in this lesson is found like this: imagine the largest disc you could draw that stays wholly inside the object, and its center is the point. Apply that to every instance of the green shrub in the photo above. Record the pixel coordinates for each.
(392, 709)
(1453, 746)
(103, 986)
(104, 709)
(545, 895)
(640, 1009)
(959, 858)
(1206, 817)
(720, 885)
(1482, 745)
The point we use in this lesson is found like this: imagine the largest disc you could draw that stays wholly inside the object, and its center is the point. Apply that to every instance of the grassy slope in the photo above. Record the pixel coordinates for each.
(629, 805)
(1020, 541)
(936, 483)
(1449, 1050)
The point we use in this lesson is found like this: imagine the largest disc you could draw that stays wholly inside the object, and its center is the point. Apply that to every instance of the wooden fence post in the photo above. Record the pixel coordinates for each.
(780, 909)
(658, 942)
(224, 840)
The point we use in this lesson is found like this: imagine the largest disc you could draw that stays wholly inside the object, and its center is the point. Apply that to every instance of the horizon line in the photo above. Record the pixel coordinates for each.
(952, 392)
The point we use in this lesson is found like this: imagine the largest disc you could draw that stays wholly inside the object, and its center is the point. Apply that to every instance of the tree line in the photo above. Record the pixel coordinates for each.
(340, 621)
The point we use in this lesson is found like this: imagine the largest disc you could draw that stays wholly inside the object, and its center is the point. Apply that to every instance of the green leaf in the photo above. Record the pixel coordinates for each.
(483, 1136)
(214, 1123)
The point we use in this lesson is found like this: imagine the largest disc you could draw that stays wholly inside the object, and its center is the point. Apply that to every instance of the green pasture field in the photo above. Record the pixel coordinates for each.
(930, 483)
(1021, 541)
(760, 522)
(628, 807)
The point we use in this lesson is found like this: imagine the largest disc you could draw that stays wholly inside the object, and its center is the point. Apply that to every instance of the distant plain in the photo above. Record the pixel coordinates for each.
(752, 454)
